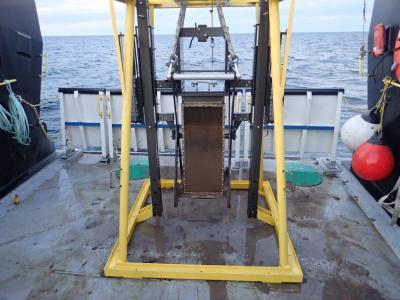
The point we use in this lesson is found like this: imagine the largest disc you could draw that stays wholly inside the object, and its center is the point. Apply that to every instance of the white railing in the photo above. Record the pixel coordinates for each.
(91, 121)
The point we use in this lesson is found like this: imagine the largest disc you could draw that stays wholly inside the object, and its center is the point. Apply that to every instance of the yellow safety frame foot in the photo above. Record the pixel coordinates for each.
(140, 212)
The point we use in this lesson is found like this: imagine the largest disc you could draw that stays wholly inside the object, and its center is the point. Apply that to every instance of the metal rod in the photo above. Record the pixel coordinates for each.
(231, 109)
(236, 69)
(226, 31)
(288, 41)
(279, 130)
(126, 129)
(177, 147)
(203, 76)
(179, 25)
(117, 46)
(261, 175)
(202, 70)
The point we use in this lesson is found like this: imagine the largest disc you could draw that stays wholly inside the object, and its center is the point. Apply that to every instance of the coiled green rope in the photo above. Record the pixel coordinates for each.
(15, 121)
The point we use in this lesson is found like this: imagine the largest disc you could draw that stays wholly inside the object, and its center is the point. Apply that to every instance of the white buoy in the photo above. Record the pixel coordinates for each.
(357, 130)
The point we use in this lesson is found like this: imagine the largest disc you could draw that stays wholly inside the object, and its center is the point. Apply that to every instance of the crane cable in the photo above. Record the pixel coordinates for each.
(364, 22)
(364, 48)
(212, 43)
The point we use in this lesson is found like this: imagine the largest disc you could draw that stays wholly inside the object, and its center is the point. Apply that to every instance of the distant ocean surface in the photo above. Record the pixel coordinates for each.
(317, 60)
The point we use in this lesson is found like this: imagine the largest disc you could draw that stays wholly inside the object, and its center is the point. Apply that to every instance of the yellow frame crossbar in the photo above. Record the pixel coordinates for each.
(199, 3)
(140, 212)
(289, 269)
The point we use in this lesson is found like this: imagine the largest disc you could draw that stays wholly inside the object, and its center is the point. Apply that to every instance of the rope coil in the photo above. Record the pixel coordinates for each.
(15, 121)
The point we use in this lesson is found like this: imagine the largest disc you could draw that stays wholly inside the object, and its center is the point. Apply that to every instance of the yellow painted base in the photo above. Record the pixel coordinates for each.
(139, 213)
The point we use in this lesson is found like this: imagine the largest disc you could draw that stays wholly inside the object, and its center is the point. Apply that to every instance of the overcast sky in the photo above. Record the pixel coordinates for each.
(91, 17)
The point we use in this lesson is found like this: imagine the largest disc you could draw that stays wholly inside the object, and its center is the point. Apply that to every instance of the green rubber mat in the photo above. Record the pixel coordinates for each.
(301, 174)
(138, 168)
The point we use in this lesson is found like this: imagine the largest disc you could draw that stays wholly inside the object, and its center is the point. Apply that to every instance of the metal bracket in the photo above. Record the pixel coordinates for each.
(328, 167)
(238, 118)
(111, 181)
(202, 32)
(166, 117)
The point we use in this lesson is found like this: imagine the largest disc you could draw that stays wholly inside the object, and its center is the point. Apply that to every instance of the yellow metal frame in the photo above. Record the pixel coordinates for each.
(140, 212)
(289, 269)
(199, 3)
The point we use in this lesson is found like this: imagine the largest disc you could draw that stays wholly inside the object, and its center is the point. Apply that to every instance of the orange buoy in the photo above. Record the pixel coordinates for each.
(379, 40)
(373, 160)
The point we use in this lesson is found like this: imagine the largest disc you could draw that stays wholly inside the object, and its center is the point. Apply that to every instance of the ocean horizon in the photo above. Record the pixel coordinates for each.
(317, 60)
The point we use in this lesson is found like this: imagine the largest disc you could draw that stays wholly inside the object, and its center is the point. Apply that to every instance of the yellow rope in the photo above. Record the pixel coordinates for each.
(381, 104)
(33, 106)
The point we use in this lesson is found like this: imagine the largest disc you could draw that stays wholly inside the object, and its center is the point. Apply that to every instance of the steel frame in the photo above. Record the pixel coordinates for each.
(117, 266)
(289, 269)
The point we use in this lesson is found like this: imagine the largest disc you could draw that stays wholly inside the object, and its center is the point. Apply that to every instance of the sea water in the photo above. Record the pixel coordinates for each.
(317, 60)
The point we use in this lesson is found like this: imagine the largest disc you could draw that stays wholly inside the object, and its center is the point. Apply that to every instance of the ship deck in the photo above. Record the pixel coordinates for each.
(55, 243)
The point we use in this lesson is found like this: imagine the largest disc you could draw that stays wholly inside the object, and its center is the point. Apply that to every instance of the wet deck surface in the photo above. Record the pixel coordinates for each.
(56, 242)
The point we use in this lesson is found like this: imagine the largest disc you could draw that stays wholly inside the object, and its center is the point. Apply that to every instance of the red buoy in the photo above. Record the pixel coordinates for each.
(373, 160)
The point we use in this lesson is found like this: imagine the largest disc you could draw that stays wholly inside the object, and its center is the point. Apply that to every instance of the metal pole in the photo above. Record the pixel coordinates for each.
(175, 49)
(126, 129)
(279, 130)
(117, 46)
(288, 41)
(226, 31)
(261, 175)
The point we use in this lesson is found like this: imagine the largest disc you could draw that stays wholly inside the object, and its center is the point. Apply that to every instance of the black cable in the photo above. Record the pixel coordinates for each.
(178, 143)
(191, 41)
(380, 61)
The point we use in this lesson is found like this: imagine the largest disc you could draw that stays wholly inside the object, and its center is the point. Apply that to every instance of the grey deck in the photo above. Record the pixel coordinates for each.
(56, 242)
